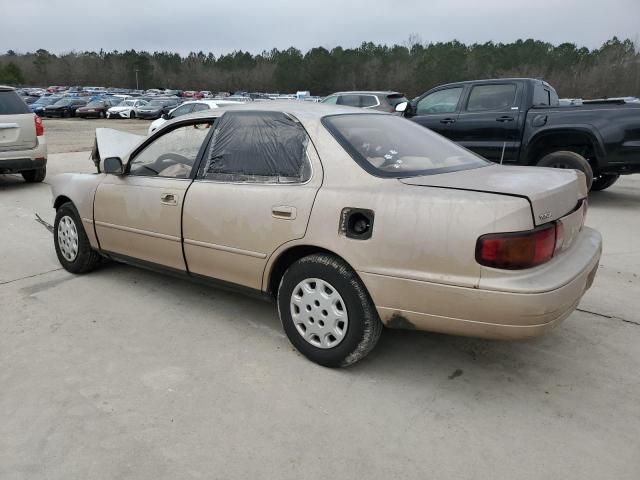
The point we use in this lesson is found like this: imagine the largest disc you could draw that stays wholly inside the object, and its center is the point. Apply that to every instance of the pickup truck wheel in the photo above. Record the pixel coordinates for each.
(602, 182)
(72, 245)
(567, 159)
(326, 311)
(34, 176)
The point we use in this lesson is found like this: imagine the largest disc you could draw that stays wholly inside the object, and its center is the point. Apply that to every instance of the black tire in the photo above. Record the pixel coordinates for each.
(364, 326)
(34, 176)
(87, 259)
(65, 114)
(132, 114)
(602, 182)
(567, 159)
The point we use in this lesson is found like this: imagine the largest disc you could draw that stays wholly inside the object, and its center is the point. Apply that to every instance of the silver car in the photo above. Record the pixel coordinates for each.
(23, 148)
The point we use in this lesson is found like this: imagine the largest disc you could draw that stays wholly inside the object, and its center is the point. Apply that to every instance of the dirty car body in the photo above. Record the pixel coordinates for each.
(349, 219)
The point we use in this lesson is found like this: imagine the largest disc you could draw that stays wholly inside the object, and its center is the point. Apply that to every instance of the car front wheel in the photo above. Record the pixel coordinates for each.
(326, 311)
(71, 243)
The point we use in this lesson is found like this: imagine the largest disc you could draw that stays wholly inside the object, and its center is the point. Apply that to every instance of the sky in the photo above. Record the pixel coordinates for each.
(252, 25)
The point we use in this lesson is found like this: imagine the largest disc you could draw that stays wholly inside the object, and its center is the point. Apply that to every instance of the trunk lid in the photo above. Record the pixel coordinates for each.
(552, 192)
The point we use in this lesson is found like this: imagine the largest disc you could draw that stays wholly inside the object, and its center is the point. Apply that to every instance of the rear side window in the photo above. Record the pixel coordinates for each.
(12, 104)
(491, 97)
(396, 98)
(349, 100)
(257, 147)
(541, 96)
(368, 101)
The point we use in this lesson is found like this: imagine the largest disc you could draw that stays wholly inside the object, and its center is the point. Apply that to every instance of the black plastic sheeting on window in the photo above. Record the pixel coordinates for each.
(258, 147)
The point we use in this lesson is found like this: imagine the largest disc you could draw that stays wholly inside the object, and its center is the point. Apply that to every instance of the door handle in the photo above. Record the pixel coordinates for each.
(169, 199)
(505, 118)
(283, 211)
(448, 120)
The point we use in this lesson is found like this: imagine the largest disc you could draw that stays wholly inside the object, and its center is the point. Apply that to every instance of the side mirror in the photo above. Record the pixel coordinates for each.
(402, 106)
(166, 116)
(113, 165)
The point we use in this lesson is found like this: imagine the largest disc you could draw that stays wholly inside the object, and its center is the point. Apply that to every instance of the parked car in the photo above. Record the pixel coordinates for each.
(418, 238)
(39, 105)
(189, 107)
(205, 94)
(98, 108)
(384, 101)
(65, 107)
(126, 108)
(23, 148)
(520, 121)
(157, 107)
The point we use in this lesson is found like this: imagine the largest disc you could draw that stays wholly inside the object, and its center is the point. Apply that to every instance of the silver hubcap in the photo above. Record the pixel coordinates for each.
(319, 313)
(68, 238)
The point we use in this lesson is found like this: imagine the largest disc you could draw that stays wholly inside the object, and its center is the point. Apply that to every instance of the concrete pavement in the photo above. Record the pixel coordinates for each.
(128, 374)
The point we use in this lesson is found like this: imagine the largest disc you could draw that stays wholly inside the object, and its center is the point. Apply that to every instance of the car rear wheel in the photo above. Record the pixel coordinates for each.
(326, 311)
(604, 181)
(570, 160)
(34, 176)
(71, 243)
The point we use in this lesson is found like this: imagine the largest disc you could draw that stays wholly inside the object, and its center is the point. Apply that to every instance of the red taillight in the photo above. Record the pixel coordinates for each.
(39, 126)
(518, 250)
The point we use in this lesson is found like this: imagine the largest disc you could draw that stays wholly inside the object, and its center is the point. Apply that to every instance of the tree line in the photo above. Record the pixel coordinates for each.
(411, 68)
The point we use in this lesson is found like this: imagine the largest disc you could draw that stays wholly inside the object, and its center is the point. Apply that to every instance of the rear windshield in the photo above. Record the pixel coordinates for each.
(396, 98)
(391, 146)
(12, 104)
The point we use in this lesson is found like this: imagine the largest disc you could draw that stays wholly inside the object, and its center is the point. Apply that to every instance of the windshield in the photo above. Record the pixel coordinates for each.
(127, 103)
(391, 146)
(158, 103)
(96, 103)
(63, 102)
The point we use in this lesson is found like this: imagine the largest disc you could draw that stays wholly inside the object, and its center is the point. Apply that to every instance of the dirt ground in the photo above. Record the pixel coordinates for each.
(77, 134)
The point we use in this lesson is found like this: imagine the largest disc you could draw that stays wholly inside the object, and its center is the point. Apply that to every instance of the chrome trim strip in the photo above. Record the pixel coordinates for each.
(138, 231)
(224, 248)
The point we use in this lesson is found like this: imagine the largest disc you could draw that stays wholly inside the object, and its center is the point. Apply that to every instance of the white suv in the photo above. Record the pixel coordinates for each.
(23, 148)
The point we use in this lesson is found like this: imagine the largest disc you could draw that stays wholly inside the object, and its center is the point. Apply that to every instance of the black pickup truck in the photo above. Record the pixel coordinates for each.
(520, 121)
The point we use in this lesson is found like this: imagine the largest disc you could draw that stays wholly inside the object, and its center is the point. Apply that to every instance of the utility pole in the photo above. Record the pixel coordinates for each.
(137, 87)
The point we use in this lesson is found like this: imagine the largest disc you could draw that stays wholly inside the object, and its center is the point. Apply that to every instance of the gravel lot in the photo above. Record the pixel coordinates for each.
(129, 374)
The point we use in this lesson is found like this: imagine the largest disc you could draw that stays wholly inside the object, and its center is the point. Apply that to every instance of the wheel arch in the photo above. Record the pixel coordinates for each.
(60, 200)
(580, 140)
(282, 260)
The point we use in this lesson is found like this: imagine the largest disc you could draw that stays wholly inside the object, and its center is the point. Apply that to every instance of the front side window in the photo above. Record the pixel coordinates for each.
(391, 146)
(442, 101)
(492, 97)
(199, 107)
(182, 110)
(257, 147)
(172, 154)
(331, 100)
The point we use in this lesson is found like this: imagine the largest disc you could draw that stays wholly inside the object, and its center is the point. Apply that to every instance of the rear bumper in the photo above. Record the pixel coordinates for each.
(21, 160)
(498, 314)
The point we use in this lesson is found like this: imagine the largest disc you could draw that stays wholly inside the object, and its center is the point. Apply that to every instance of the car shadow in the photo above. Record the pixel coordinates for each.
(625, 197)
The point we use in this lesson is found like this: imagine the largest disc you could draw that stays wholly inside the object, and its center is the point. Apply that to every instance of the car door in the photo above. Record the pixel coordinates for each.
(253, 192)
(438, 110)
(489, 123)
(138, 214)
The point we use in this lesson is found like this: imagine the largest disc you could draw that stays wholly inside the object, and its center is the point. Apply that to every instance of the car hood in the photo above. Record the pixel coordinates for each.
(147, 108)
(114, 143)
(551, 192)
(120, 109)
